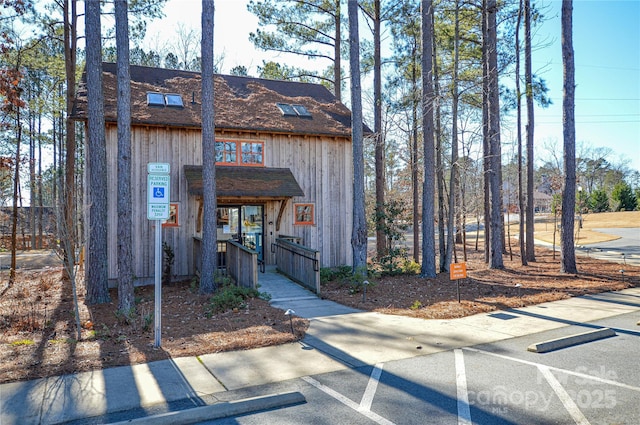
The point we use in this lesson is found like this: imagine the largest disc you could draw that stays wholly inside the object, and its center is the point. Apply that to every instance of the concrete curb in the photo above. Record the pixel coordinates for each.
(220, 410)
(568, 341)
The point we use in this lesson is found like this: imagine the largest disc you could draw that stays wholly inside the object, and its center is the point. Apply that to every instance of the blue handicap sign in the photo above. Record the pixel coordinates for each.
(158, 192)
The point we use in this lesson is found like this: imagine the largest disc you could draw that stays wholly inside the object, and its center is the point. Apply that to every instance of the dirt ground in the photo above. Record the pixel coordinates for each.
(38, 323)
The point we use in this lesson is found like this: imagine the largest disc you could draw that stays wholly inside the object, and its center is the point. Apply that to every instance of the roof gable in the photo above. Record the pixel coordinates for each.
(241, 103)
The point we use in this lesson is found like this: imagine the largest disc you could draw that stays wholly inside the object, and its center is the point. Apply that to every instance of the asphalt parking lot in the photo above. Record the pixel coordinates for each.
(498, 383)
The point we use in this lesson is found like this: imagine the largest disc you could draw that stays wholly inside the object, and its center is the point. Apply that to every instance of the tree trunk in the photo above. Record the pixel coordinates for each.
(567, 248)
(453, 190)
(209, 231)
(14, 212)
(415, 191)
(359, 234)
(486, 151)
(70, 62)
(96, 278)
(530, 217)
(379, 137)
(439, 156)
(428, 190)
(126, 304)
(32, 173)
(521, 207)
(497, 221)
(337, 54)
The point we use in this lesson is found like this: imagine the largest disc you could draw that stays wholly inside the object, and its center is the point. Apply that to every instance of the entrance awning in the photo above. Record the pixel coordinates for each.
(246, 182)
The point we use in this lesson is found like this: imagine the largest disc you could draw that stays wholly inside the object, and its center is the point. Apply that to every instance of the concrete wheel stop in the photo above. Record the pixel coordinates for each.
(571, 340)
(220, 410)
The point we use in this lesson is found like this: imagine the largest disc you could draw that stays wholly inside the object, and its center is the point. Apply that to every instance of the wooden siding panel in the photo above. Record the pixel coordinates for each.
(321, 165)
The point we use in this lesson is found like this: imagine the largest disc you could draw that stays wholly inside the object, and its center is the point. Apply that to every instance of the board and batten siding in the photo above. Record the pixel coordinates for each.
(321, 165)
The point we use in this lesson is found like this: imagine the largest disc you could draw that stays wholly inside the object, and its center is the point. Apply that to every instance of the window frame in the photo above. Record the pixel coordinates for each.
(174, 215)
(297, 214)
(240, 153)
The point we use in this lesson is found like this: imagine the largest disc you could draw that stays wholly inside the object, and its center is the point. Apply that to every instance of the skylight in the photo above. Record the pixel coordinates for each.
(287, 110)
(301, 111)
(155, 99)
(173, 99)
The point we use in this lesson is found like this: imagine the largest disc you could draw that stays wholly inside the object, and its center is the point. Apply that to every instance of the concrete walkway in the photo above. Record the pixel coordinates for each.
(338, 338)
(287, 295)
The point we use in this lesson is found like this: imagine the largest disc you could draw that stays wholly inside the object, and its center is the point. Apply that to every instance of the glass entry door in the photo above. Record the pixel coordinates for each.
(243, 224)
(251, 228)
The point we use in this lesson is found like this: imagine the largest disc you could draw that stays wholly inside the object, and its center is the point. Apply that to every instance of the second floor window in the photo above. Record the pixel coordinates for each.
(239, 153)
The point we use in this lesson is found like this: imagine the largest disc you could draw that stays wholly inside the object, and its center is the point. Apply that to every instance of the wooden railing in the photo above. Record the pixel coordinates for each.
(298, 263)
(242, 264)
(197, 255)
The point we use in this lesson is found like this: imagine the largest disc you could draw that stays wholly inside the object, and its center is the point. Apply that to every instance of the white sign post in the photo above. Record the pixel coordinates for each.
(158, 188)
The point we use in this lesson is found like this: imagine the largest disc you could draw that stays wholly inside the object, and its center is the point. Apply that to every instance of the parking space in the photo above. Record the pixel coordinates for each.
(498, 383)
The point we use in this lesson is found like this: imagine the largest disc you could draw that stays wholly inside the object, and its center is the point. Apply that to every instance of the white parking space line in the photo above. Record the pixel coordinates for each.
(372, 386)
(568, 372)
(347, 402)
(464, 411)
(564, 397)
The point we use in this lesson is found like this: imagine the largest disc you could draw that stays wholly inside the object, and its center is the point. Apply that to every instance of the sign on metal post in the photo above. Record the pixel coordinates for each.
(158, 195)
(458, 271)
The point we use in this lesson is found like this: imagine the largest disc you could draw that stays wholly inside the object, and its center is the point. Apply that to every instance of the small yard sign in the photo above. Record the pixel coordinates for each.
(458, 271)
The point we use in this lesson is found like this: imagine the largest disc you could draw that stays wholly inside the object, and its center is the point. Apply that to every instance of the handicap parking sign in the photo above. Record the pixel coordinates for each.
(158, 196)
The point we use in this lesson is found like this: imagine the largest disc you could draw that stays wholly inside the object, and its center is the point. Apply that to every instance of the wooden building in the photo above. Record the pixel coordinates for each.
(283, 164)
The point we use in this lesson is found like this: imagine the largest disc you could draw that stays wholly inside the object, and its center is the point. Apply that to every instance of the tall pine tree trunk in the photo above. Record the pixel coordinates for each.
(96, 278)
(126, 304)
(453, 178)
(442, 266)
(428, 190)
(530, 218)
(567, 253)
(497, 222)
(381, 246)
(70, 62)
(209, 231)
(359, 233)
(521, 207)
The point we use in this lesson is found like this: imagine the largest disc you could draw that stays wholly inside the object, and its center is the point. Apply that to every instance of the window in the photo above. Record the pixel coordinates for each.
(295, 110)
(173, 220)
(239, 153)
(226, 152)
(155, 99)
(301, 111)
(304, 214)
(170, 99)
(175, 100)
(287, 110)
(252, 153)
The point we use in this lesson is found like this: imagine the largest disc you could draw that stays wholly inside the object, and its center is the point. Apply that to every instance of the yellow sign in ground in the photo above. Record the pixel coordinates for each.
(457, 271)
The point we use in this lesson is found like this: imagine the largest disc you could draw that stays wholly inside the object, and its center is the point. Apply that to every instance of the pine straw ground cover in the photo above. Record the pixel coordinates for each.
(37, 320)
(485, 290)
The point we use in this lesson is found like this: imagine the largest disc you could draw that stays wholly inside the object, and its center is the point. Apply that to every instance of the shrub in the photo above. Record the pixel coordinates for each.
(231, 297)
(623, 193)
(598, 201)
(337, 273)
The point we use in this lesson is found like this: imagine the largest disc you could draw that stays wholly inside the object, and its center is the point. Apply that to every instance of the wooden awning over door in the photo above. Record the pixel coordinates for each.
(246, 182)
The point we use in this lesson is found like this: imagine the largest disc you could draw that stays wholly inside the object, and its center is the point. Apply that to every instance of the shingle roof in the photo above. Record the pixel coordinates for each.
(254, 182)
(241, 103)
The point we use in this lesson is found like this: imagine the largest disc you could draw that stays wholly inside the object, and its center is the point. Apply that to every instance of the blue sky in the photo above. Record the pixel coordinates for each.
(606, 38)
(606, 41)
